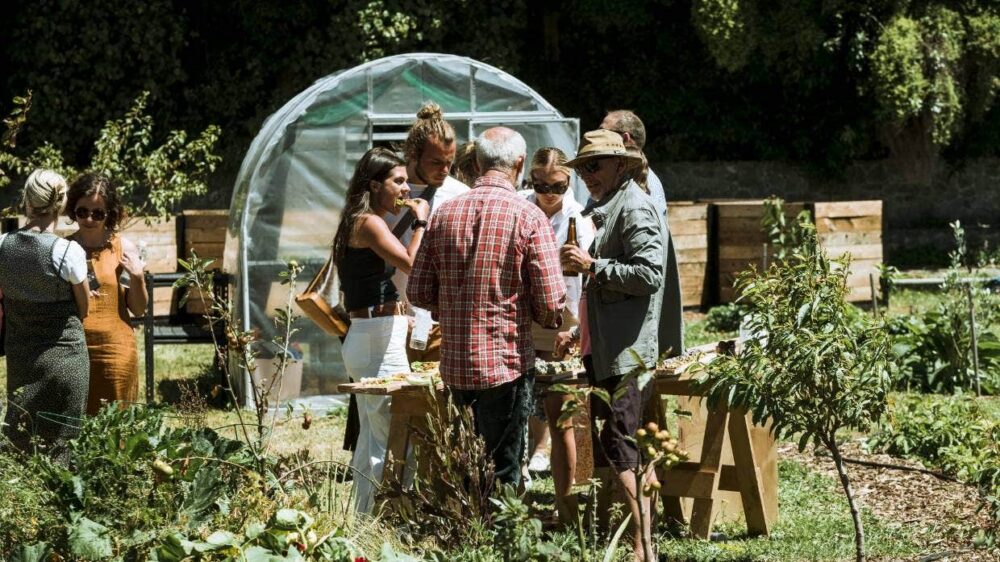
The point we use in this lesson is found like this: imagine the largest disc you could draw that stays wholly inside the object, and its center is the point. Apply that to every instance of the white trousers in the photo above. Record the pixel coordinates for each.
(374, 347)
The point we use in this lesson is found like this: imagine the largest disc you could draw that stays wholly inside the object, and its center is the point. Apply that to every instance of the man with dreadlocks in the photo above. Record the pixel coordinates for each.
(430, 151)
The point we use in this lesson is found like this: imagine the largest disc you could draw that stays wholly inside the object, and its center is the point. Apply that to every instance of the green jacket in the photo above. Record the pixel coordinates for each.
(625, 297)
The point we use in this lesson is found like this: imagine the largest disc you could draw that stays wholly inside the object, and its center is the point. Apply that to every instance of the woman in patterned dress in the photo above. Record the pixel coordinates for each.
(116, 270)
(43, 283)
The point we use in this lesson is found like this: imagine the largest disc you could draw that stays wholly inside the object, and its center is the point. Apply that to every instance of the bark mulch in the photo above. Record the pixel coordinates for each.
(943, 511)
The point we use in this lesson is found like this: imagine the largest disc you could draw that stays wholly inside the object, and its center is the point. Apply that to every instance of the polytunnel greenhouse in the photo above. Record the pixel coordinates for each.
(291, 185)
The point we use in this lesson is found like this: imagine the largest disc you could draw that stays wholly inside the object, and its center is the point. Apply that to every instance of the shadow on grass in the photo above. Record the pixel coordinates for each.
(206, 388)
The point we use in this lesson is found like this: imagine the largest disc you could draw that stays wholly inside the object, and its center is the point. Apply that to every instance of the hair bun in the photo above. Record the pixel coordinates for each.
(430, 110)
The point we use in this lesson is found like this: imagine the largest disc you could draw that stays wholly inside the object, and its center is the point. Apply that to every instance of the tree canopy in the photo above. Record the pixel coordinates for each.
(804, 80)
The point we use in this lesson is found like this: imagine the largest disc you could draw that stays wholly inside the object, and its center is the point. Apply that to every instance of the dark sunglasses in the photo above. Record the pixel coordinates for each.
(85, 213)
(544, 188)
(590, 166)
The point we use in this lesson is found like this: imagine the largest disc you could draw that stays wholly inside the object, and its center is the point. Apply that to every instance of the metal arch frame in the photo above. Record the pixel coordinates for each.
(282, 118)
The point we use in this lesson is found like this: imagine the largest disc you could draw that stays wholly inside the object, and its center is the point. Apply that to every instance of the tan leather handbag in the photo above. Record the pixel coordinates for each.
(321, 302)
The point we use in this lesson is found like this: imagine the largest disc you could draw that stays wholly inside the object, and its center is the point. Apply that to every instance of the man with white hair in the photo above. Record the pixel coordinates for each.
(488, 266)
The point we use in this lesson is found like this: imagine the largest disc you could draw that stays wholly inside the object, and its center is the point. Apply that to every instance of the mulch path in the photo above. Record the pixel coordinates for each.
(943, 511)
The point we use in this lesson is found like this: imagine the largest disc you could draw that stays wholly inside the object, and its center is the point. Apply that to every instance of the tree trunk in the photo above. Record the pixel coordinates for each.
(859, 532)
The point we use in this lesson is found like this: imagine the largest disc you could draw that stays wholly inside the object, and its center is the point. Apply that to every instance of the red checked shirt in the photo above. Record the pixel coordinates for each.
(488, 265)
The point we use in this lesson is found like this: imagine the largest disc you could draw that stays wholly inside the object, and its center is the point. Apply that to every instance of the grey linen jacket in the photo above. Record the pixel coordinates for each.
(625, 297)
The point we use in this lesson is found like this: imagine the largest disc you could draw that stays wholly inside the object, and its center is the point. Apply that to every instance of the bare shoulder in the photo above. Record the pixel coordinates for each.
(367, 228)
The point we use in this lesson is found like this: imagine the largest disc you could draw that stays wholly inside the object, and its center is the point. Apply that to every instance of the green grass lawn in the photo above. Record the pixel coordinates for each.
(814, 523)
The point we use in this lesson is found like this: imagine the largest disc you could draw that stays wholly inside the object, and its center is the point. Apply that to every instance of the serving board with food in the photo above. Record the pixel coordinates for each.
(424, 373)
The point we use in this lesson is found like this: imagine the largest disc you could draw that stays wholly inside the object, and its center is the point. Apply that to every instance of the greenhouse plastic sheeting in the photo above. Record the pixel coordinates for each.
(291, 185)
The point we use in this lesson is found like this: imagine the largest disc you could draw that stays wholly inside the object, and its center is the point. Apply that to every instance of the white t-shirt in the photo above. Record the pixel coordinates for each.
(450, 189)
(74, 267)
(584, 237)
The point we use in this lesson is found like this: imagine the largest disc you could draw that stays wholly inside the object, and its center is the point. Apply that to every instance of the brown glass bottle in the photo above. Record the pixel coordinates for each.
(571, 240)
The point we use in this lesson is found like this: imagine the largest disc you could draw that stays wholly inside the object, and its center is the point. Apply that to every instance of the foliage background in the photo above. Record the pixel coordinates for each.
(800, 80)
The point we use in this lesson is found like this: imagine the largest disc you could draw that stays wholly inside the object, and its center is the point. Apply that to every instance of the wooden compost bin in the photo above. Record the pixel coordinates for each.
(855, 228)
(689, 230)
(205, 235)
(741, 240)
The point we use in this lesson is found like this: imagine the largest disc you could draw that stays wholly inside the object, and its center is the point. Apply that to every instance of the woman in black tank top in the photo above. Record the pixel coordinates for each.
(367, 254)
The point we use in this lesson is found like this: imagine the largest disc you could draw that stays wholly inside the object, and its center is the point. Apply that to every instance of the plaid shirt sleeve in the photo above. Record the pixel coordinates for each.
(548, 289)
(422, 287)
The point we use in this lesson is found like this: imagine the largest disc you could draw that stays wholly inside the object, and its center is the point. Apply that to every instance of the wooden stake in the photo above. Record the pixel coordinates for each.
(975, 338)
(871, 282)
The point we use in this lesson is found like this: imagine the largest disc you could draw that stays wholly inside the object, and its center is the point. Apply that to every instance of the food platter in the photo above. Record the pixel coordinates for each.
(424, 374)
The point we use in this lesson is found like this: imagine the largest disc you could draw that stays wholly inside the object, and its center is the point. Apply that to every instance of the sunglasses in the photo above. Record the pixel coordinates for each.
(590, 166)
(85, 213)
(544, 188)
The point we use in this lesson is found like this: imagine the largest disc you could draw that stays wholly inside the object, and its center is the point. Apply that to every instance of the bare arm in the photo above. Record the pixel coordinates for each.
(135, 295)
(81, 294)
(374, 233)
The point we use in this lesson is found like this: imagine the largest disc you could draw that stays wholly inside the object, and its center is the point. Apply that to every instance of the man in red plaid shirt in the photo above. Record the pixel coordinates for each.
(488, 266)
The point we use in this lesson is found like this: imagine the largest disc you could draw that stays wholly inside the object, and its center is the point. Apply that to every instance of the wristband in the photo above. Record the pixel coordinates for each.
(418, 224)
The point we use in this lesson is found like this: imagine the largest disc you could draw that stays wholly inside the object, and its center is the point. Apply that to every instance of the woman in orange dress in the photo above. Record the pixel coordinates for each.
(117, 287)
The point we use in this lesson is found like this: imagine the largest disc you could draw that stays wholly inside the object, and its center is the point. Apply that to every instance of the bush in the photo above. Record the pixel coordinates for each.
(725, 317)
(26, 511)
(935, 348)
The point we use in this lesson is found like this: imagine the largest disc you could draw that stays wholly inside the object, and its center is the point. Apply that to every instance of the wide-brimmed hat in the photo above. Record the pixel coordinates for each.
(601, 144)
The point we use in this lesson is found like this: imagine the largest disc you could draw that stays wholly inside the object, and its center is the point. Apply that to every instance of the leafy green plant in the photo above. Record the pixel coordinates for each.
(935, 347)
(724, 318)
(450, 495)
(25, 512)
(812, 366)
(246, 347)
(153, 179)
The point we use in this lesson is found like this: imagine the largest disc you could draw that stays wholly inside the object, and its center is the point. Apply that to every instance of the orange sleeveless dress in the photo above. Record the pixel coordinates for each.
(114, 360)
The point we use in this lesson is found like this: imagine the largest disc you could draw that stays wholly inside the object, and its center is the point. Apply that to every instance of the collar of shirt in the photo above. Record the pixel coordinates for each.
(493, 181)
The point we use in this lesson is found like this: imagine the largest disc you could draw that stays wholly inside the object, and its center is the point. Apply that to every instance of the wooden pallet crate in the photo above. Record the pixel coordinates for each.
(689, 229)
(740, 240)
(205, 235)
(855, 228)
(842, 227)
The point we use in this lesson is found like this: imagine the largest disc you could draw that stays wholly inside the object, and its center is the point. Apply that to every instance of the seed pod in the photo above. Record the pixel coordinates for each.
(651, 451)
(652, 427)
(663, 434)
(162, 468)
(640, 433)
(307, 420)
(656, 486)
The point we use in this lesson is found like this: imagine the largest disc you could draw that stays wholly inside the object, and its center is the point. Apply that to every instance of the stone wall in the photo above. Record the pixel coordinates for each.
(919, 201)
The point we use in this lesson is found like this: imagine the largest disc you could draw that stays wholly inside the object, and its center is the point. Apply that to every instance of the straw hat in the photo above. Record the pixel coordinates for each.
(601, 144)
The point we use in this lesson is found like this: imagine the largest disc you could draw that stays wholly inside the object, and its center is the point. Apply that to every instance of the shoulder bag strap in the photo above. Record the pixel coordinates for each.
(408, 218)
(61, 261)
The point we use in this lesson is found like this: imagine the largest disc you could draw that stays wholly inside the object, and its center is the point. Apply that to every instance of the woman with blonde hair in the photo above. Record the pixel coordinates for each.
(116, 272)
(42, 281)
(367, 255)
(549, 183)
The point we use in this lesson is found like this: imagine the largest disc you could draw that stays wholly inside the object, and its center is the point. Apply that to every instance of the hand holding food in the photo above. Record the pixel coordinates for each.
(419, 207)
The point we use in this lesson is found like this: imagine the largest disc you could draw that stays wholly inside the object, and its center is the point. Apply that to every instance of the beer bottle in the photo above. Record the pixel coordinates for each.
(571, 240)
